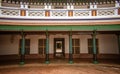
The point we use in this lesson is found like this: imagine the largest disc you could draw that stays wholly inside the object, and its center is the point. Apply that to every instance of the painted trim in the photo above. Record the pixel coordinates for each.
(112, 27)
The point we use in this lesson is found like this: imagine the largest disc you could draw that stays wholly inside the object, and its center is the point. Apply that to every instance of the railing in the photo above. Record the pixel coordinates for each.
(56, 13)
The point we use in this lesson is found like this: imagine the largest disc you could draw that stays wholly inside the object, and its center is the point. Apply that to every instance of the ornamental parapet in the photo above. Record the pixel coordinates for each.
(69, 11)
(59, 13)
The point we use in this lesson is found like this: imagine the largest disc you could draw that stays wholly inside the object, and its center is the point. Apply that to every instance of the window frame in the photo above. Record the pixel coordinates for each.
(43, 46)
(27, 46)
(90, 46)
(76, 48)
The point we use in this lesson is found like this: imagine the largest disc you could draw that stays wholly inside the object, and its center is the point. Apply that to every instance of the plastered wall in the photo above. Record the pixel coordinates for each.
(9, 44)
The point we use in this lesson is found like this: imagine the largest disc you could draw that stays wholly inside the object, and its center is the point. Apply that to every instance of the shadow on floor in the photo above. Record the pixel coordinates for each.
(59, 61)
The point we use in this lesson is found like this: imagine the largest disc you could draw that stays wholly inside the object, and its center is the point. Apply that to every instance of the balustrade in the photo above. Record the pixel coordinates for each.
(79, 13)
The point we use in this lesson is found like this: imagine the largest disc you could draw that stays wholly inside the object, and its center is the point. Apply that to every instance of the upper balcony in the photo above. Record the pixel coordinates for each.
(62, 13)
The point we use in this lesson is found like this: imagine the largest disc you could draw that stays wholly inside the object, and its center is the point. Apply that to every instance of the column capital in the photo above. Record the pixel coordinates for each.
(46, 33)
(70, 33)
(23, 34)
(94, 33)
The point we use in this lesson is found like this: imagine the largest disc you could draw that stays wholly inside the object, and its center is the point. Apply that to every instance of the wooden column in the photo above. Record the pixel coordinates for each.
(47, 48)
(22, 51)
(118, 37)
(94, 48)
(70, 48)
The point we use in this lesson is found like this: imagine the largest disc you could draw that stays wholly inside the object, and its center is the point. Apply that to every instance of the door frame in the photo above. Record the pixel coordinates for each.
(63, 46)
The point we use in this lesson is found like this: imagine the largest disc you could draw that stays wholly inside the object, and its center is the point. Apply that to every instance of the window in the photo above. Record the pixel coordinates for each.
(42, 46)
(90, 46)
(76, 46)
(27, 46)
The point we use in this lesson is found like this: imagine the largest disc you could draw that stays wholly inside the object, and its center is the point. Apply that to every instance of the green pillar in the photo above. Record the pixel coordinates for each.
(47, 48)
(22, 50)
(70, 48)
(118, 36)
(94, 48)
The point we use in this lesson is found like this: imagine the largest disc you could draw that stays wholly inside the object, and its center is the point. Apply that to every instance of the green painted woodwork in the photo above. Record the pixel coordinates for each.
(118, 36)
(70, 48)
(70, 43)
(23, 45)
(47, 62)
(22, 63)
(60, 28)
(22, 49)
(94, 42)
(94, 48)
(47, 48)
(47, 43)
(70, 62)
(95, 62)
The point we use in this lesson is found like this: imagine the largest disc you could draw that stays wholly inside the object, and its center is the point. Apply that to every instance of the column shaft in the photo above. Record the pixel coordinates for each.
(47, 49)
(70, 49)
(94, 48)
(22, 58)
(118, 36)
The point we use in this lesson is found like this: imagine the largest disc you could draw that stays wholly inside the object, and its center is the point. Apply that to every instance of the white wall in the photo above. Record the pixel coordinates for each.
(9, 44)
(83, 42)
(107, 43)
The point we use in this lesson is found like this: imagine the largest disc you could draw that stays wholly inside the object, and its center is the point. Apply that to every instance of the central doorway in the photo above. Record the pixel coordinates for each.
(59, 48)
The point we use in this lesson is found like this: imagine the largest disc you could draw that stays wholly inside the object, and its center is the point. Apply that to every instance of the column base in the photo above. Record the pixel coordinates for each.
(95, 62)
(70, 62)
(47, 62)
(22, 63)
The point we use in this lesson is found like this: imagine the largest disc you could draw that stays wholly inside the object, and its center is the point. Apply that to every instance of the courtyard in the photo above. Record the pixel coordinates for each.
(59, 66)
